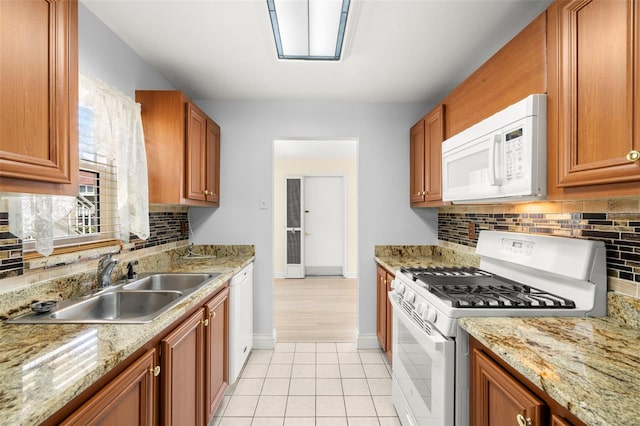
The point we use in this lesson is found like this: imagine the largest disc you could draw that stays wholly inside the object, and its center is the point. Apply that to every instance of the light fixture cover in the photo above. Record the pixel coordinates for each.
(309, 29)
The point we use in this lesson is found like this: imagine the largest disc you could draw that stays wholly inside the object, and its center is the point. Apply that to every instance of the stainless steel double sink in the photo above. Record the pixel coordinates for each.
(133, 302)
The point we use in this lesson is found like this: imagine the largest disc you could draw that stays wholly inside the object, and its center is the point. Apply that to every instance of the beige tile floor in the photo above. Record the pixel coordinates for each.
(308, 383)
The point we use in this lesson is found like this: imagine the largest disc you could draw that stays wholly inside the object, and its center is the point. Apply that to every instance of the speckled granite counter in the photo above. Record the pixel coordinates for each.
(591, 366)
(395, 257)
(42, 367)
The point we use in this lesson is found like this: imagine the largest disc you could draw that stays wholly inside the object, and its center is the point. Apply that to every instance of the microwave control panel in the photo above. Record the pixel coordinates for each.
(513, 154)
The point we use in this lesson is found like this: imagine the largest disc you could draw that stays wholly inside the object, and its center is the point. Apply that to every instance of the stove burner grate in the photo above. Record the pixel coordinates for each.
(475, 288)
(500, 296)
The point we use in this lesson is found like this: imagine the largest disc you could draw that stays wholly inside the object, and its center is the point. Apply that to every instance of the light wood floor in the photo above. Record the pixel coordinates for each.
(315, 309)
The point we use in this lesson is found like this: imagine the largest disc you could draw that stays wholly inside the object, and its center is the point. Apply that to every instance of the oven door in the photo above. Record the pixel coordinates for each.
(423, 372)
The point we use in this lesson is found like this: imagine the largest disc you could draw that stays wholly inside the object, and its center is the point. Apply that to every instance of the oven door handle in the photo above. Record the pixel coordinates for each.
(436, 340)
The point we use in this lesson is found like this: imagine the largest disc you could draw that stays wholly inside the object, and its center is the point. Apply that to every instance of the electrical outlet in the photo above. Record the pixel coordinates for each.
(472, 231)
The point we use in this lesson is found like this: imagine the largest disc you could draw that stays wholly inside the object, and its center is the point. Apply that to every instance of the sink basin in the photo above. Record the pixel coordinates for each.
(135, 302)
(118, 306)
(185, 283)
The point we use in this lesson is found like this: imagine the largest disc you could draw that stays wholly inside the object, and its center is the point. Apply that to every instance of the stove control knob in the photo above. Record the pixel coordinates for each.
(399, 287)
(410, 296)
(430, 315)
(420, 308)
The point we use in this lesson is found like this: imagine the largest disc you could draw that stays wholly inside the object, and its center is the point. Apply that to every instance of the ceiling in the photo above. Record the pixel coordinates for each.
(395, 50)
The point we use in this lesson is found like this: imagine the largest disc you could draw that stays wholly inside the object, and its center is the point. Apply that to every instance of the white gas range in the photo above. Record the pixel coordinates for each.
(519, 275)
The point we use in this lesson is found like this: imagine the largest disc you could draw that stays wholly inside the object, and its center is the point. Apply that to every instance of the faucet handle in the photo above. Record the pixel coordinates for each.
(131, 273)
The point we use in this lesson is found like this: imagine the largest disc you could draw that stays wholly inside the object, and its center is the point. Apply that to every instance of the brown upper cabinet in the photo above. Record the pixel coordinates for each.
(513, 73)
(183, 150)
(510, 75)
(39, 97)
(427, 136)
(594, 98)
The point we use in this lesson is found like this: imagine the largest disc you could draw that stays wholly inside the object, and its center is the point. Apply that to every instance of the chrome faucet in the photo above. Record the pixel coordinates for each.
(105, 267)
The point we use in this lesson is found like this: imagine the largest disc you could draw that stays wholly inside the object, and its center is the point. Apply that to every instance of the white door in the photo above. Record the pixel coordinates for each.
(324, 219)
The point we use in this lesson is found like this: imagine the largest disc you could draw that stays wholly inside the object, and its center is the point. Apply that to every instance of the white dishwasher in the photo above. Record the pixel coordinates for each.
(240, 320)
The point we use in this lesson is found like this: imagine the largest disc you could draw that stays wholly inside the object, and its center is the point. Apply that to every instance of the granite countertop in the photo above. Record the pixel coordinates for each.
(591, 366)
(393, 258)
(43, 367)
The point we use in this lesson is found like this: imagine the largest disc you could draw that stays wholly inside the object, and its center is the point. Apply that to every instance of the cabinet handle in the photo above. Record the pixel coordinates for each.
(212, 314)
(633, 156)
(522, 421)
(155, 371)
(205, 322)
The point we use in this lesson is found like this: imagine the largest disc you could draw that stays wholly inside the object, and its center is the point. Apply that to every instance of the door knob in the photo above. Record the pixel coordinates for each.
(633, 156)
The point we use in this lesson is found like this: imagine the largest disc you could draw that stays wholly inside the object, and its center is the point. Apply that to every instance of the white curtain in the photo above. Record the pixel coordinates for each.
(118, 135)
(35, 215)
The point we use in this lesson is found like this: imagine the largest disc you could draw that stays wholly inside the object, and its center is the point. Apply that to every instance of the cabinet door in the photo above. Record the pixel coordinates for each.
(593, 69)
(212, 187)
(498, 399)
(381, 313)
(183, 373)
(434, 136)
(129, 399)
(389, 315)
(196, 154)
(39, 96)
(417, 164)
(217, 349)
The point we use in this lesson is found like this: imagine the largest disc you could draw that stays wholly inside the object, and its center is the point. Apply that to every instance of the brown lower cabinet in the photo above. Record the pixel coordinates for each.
(177, 378)
(183, 373)
(384, 313)
(500, 400)
(216, 354)
(499, 395)
(129, 399)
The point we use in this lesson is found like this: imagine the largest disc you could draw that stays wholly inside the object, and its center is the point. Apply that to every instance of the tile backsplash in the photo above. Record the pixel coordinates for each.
(11, 263)
(616, 222)
(167, 224)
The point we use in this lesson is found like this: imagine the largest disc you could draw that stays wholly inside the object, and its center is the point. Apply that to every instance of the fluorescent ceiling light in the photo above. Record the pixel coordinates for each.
(309, 29)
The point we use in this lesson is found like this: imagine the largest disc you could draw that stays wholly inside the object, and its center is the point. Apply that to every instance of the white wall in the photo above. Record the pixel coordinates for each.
(384, 216)
(103, 55)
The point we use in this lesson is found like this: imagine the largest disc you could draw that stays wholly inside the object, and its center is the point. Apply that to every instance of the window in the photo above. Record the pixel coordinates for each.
(112, 200)
(95, 214)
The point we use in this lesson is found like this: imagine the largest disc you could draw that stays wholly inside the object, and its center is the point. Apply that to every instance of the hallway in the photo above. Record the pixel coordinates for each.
(315, 309)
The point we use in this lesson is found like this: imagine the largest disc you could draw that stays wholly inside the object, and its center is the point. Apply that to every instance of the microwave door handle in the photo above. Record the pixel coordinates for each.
(494, 179)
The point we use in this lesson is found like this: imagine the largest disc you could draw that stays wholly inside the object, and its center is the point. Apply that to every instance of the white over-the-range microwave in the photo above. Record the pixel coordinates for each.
(502, 158)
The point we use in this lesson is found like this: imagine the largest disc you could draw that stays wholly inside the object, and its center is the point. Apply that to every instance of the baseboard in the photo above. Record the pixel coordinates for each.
(264, 341)
(353, 275)
(367, 341)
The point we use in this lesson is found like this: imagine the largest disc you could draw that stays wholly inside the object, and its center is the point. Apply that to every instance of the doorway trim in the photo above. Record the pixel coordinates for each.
(344, 152)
